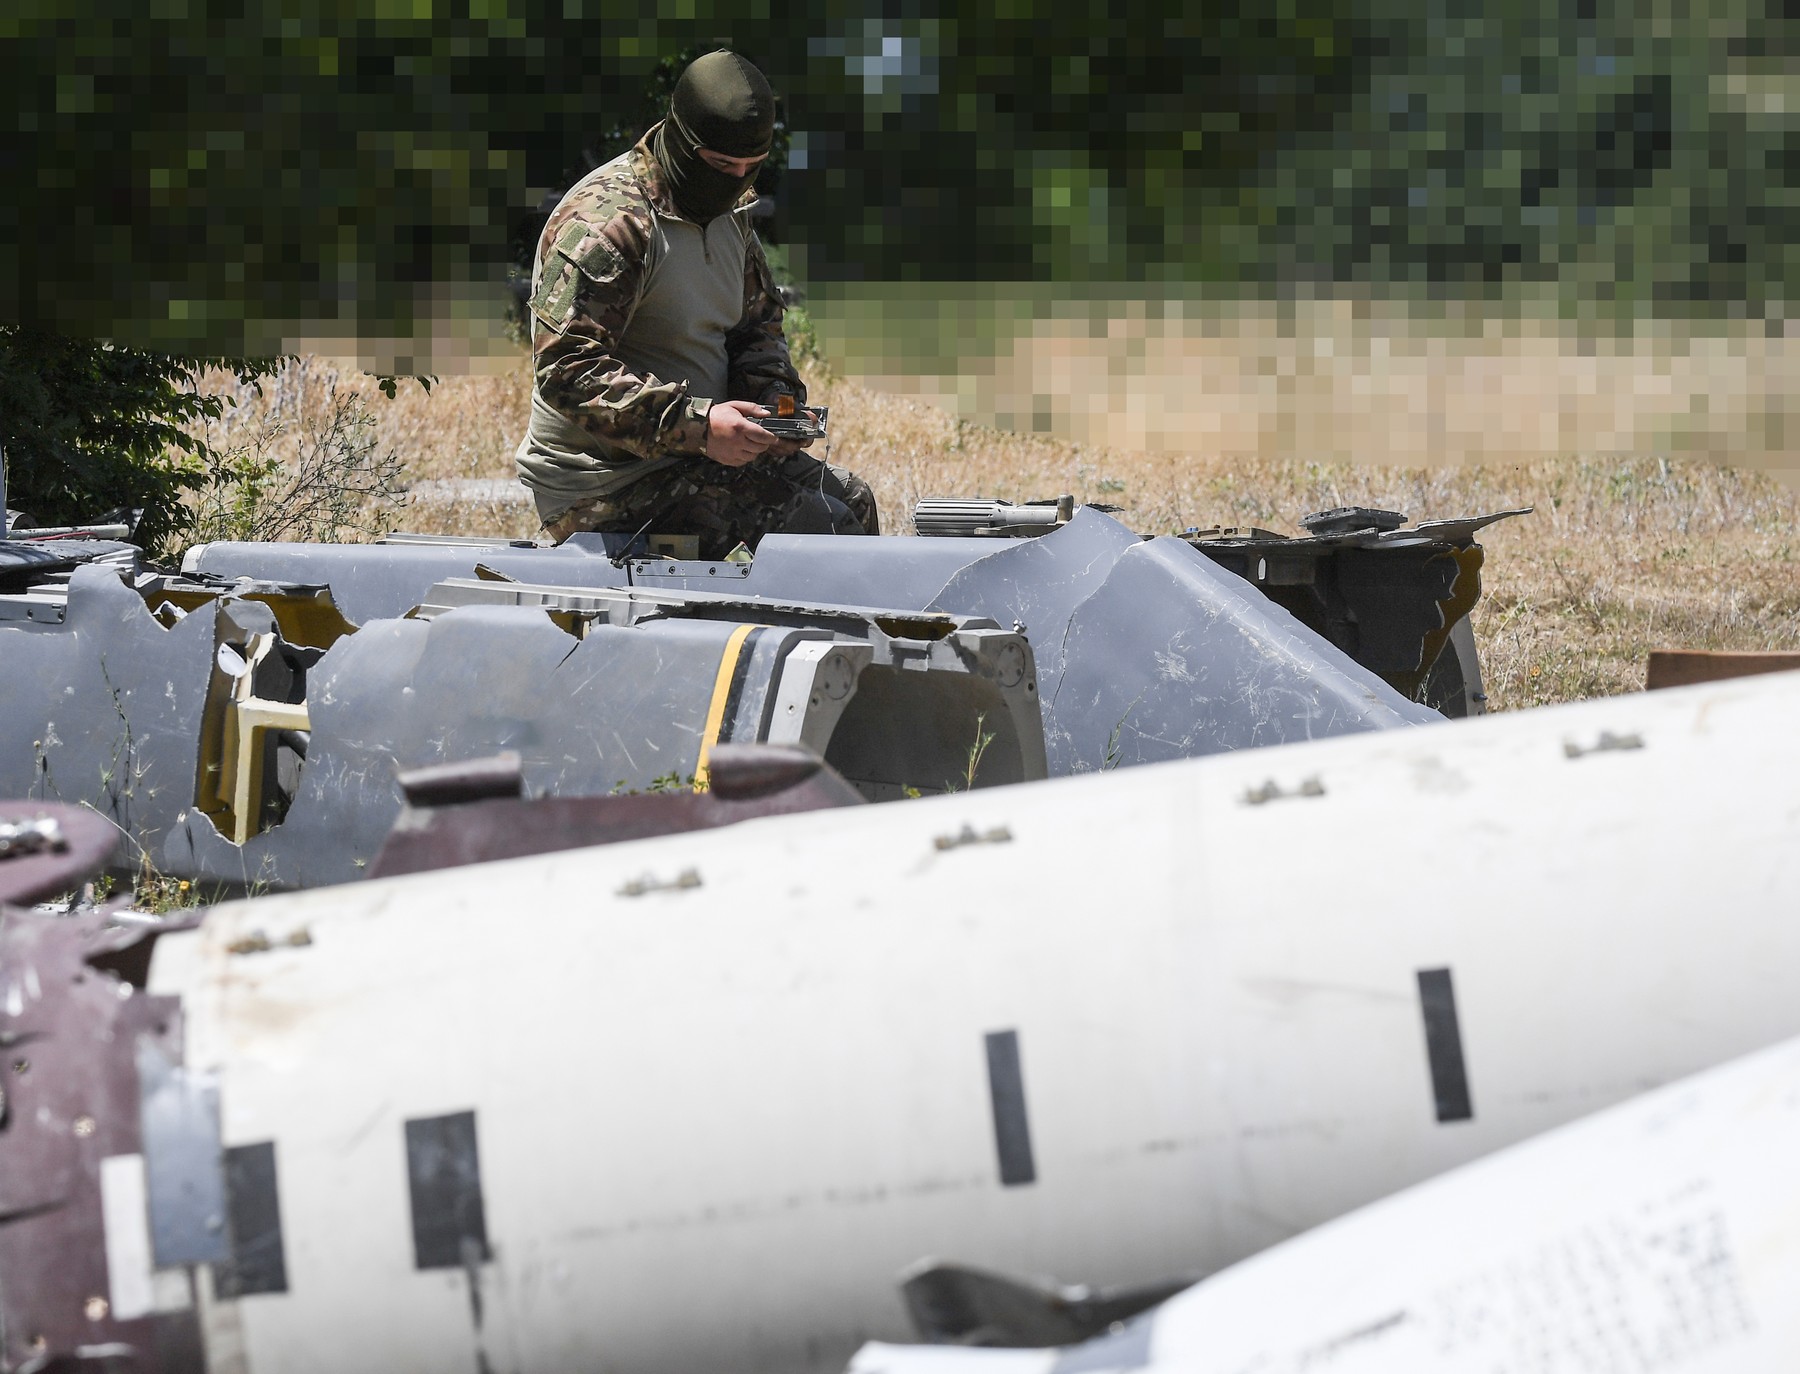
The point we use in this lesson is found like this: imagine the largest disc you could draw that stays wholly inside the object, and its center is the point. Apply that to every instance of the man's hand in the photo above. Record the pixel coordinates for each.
(787, 448)
(733, 437)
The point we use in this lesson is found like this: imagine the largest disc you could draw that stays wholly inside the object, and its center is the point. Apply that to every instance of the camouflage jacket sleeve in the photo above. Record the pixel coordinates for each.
(587, 288)
(757, 351)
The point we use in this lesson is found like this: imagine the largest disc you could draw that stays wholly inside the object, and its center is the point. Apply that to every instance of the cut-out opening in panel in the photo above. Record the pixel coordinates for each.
(906, 733)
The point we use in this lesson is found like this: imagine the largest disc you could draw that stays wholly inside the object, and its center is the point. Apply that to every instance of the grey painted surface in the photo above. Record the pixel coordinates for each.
(1166, 655)
(106, 705)
(1145, 651)
(1173, 657)
(401, 694)
(66, 689)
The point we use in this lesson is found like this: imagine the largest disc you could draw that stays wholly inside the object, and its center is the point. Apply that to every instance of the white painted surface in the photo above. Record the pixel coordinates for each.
(1662, 1234)
(125, 1214)
(714, 1123)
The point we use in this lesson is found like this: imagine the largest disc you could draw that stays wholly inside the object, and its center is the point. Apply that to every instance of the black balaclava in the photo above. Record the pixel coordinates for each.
(723, 103)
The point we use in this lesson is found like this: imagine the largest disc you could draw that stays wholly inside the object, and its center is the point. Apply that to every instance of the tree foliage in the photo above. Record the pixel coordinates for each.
(89, 428)
(326, 478)
(202, 178)
(1629, 160)
(199, 183)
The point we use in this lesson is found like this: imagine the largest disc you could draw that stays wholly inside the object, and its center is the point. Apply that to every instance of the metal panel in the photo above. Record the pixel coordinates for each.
(443, 1175)
(184, 1164)
(125, 1204)
(258, 1263)
(1443, 1046)
(785, 1056)
(1655, 1235)
(69, 1131)
(1012, 1126)
(1173, 657)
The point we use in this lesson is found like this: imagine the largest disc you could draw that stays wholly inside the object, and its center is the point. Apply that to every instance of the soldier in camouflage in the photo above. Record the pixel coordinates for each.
(657, 342)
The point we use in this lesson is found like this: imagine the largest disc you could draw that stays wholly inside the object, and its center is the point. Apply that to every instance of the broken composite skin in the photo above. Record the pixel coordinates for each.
(249, 733)
(1145, 649)
(247, 723)
(695, 1102)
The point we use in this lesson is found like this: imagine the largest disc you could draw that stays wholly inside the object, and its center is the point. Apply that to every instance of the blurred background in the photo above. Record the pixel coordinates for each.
(1209, 264)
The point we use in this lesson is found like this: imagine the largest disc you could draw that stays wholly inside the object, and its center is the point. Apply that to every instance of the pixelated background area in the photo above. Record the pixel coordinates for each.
(1383, 232)
(1337, 378)
(1637, 158)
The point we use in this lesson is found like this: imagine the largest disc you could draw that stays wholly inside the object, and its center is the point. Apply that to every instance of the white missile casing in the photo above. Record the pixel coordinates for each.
(1661, 1234)
(692, 1102)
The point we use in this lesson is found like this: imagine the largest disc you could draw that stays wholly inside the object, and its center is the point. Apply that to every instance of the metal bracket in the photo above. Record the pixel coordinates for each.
(818, 679)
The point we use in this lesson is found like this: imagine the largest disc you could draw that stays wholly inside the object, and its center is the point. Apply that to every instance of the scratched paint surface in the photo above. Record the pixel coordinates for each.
(1221, 1038)
(1658, 1235)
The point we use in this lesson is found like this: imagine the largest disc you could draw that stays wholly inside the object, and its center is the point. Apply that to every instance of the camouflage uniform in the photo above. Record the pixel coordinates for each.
(618, 425)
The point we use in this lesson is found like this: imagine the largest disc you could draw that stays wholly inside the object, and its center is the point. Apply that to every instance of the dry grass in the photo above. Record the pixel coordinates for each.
(1623, 555)
(1329, 379)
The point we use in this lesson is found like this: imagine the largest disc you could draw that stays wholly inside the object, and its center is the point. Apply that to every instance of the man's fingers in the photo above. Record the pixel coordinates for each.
(737, 438)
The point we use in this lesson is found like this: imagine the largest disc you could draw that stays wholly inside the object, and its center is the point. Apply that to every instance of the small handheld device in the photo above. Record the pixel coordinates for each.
(792, 421)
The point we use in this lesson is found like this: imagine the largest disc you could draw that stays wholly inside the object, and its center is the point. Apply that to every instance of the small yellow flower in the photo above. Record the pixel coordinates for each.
(184, 881)
(1534, 673)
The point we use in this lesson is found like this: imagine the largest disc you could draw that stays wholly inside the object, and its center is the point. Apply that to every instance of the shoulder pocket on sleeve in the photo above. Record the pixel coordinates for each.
(591, 252)
(554, 302)
(580, 254)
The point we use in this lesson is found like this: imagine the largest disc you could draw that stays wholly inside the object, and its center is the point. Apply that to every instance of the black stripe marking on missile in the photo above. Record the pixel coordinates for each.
(1012, 1130)
(1443, 1044)
(443, 1172)
(258, 1262)
(740, 673)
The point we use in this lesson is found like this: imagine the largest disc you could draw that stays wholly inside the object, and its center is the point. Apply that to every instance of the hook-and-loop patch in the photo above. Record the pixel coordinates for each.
(581, 251)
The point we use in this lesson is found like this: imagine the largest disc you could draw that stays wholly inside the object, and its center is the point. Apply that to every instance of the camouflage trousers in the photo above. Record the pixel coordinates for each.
(724, 506)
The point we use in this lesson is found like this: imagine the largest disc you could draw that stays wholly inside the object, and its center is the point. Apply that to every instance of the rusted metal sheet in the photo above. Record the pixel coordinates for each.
(474, 813)
(1685, 667)
(71, 1034)
(47, 849)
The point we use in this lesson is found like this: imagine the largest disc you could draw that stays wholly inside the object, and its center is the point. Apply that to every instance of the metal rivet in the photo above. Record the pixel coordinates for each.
(84, 1126)
(1607, 742)
(95, 1309)
(1000, 834)
(637, 887)
(1268, 792)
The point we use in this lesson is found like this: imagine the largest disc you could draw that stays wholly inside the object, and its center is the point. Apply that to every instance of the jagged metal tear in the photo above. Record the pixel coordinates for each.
(110, 707)
(1146, 650)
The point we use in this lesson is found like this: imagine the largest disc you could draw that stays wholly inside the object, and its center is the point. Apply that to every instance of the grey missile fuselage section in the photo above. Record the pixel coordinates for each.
(246, 721)
(248, 734)
(1212, 665)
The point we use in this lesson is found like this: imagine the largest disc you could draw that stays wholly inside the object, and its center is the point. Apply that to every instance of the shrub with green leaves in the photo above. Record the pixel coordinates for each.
(89, 428)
